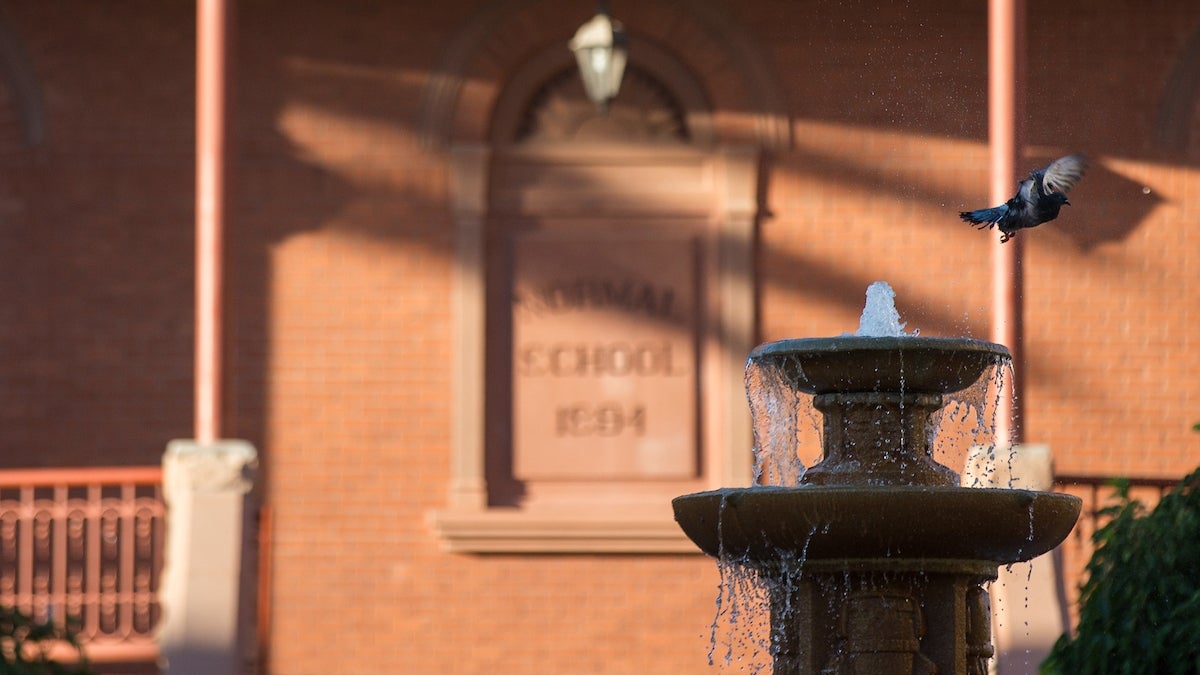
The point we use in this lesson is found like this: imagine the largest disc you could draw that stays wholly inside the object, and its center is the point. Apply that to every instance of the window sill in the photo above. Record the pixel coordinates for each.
(517, 531)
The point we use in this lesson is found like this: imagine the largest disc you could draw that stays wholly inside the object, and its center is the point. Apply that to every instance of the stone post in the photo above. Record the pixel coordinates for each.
(1028, 616)
(207, 491)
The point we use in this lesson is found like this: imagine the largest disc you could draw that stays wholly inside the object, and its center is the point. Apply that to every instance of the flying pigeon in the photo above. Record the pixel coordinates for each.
(1037, 201)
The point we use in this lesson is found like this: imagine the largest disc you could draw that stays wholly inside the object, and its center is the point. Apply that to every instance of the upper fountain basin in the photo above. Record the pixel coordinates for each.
(824, 523)
(849, 363)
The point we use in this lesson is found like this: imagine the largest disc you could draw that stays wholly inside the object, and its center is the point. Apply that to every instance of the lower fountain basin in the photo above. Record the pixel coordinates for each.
(837, 522)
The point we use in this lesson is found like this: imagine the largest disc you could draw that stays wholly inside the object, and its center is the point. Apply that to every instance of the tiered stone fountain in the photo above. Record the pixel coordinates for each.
(876, 561)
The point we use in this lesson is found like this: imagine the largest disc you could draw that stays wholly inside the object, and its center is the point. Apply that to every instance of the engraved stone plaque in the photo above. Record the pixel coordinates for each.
(605, 330)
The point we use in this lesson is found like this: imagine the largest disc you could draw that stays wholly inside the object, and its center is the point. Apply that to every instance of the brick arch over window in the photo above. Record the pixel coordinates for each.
(486, 57)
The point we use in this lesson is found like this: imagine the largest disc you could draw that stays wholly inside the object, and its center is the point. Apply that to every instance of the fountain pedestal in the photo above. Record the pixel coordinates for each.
(876, 562)
(853, 616)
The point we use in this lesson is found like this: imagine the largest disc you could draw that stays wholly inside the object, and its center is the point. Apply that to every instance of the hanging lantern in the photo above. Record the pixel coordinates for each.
(601, 48)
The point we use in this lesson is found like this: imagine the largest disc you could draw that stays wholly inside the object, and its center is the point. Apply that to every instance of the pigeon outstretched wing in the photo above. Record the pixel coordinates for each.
(1063, 173)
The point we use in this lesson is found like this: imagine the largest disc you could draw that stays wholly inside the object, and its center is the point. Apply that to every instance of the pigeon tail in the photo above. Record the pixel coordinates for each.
(985, 217)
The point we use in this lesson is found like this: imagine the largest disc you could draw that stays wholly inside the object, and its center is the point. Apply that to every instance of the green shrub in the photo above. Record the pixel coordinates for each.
(1140, 606)
(25, 645)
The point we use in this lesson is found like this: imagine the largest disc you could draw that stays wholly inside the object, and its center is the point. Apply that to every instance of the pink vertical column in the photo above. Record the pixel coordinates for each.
(212, 23)
(1006, 95)
(208, 481)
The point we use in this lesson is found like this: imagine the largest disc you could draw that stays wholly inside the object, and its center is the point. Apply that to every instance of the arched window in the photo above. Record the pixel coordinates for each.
(606, 308)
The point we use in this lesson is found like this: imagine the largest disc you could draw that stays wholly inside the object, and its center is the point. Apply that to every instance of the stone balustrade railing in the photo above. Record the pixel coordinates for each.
(86, 543)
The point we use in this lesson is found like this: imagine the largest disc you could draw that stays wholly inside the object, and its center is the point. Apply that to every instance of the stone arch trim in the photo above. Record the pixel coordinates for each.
(659, 63)
(486, 56)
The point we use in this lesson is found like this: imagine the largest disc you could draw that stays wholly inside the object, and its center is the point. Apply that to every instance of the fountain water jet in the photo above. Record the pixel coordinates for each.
(876, 560)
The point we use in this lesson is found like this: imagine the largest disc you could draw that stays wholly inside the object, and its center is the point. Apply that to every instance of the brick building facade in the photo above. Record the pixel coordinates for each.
(871, 128)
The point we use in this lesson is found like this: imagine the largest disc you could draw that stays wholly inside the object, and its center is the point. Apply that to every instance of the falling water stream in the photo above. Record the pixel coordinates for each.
(787, 427)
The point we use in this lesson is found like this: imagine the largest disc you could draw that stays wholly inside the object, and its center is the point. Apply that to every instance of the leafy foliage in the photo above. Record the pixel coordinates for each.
(1140, 606)
(25, 645)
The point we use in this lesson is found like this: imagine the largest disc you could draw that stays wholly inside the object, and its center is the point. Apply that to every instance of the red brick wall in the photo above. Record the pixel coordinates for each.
(341, 266)
(95, 232)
